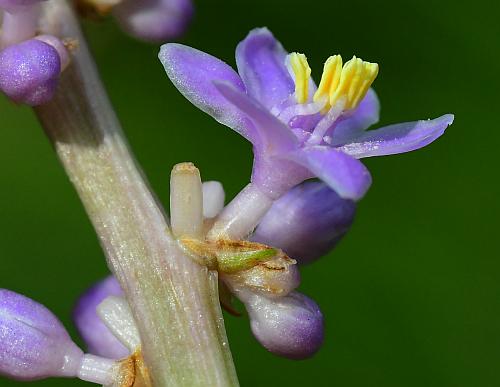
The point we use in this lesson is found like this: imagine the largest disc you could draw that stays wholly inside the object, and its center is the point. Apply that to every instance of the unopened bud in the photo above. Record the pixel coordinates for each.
(307, 222)
(290, 326)
(98, 337)
(33, 342)
(154, 20)
(29, 71)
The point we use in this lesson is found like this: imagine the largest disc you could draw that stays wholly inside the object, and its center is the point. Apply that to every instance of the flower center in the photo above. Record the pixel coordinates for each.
(346, 85)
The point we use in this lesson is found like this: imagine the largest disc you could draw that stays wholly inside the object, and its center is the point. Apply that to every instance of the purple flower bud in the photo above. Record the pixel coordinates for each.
(307, 222)
(154, 20)
(59, 46)
(99, 339)
(290, 326)
(13, 5)
(29, 72)
(33, 343)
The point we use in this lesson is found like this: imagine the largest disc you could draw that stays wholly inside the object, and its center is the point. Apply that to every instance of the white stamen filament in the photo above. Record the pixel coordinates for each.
(302, 110)
(326, 122)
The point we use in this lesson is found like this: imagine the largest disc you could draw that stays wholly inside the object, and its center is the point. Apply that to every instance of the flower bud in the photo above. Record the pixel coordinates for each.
(154, 20)
(213, 199)
(290, 326)
(14, 5)
(99, 339)
(33, 342)
(307, 222)
(29, 71)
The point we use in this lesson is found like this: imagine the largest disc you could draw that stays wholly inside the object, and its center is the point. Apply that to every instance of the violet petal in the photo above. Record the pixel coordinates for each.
(99, 339)
(398, 138)
(307, 222)
(33, 342)
(261, 64)
(341, 172)
(193, 73)
(274, 135)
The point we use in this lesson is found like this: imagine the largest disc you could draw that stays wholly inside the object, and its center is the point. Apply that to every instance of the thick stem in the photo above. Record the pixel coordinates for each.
(174, 301)
(242, 215)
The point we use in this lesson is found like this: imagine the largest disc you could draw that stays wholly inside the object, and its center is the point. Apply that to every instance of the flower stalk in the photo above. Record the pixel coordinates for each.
(174, 301)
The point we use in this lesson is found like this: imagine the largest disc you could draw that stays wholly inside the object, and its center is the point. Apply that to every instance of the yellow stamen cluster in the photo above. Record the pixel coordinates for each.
(302, 73)
(349, 82)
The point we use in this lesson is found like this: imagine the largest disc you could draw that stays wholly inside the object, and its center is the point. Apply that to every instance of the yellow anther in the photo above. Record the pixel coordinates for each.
(330, 78)
(355, 80)
(302, 73)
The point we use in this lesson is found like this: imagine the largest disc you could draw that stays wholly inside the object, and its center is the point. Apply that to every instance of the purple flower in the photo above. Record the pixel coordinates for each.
(290, 326)
(33, 342)
(29, 71)
(307, 222)
(99, 339)
(298, 130)
(154, 20)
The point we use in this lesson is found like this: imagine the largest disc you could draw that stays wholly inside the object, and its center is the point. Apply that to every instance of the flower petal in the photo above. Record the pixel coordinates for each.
(343, 173)
(397, 138)
(261, 63)
(192, 72)
(275, 136)
(364, 116)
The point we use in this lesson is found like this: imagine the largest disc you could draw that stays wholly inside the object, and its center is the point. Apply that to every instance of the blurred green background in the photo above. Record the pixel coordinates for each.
(411, 296)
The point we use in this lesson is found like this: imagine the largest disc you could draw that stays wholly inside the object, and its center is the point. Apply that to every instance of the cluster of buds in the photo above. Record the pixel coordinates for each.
(147, 20)
(35, 345)
(31, 62)
(255, 244)
(264, 278)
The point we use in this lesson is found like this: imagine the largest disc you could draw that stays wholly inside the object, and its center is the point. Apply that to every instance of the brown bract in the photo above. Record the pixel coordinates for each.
(133, 372)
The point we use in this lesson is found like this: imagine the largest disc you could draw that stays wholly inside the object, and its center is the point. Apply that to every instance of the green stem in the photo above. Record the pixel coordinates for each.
(174, 301)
